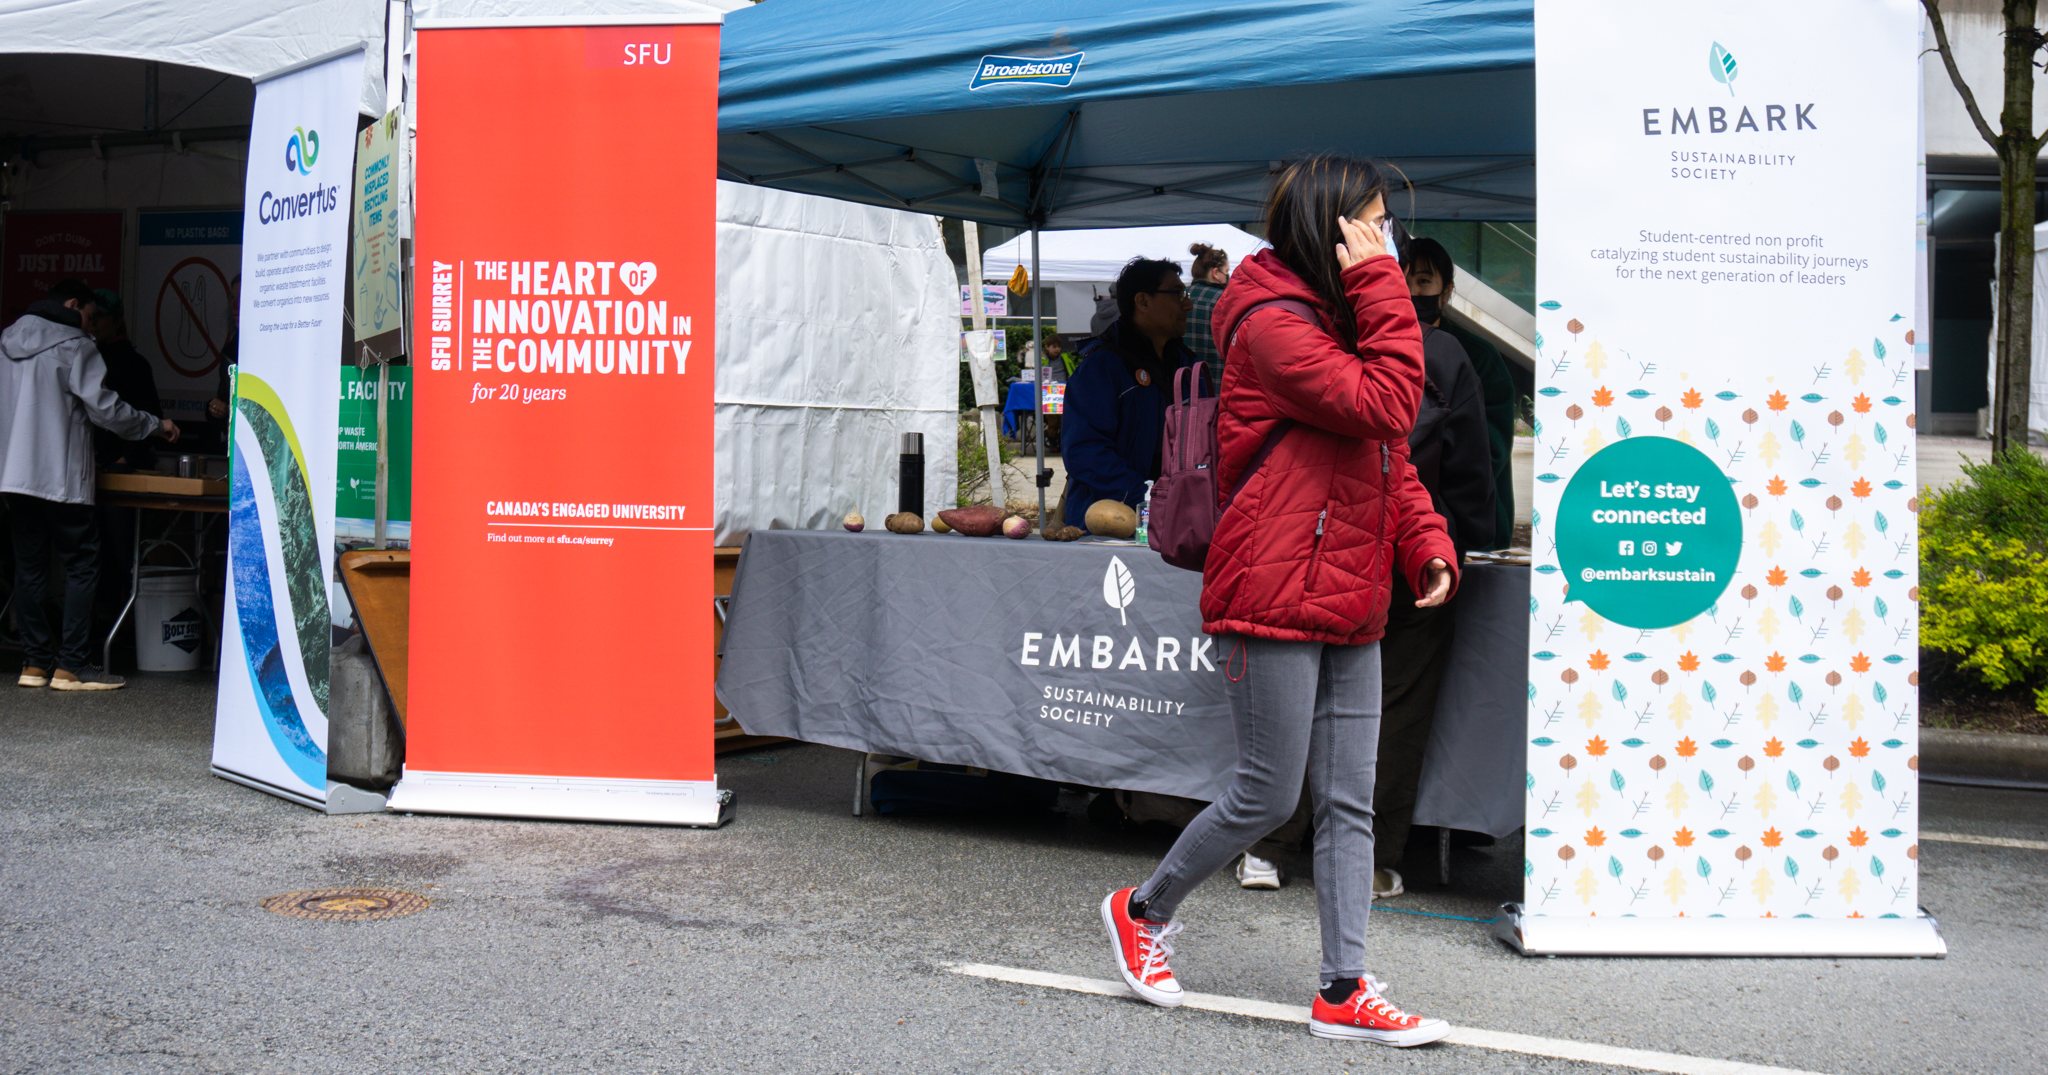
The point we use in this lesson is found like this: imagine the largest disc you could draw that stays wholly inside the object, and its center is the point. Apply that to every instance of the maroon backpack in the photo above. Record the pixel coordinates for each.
(1185, 500)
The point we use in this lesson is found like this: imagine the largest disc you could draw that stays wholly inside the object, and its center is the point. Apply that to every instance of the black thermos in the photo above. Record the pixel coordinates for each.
(910, 475)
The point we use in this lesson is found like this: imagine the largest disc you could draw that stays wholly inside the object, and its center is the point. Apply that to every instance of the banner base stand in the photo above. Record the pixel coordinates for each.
(1918, 937)
(349, 799)
(696, 803)
(269, 788)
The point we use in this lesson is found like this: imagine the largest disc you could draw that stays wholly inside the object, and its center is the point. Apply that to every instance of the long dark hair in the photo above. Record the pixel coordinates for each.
(1301, 222)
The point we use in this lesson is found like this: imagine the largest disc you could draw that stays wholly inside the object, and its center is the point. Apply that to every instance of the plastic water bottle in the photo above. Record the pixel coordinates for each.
(1145, 516)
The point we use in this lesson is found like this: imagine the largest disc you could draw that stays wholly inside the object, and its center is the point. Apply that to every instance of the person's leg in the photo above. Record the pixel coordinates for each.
(1414, 654)
(1273, 702)
(1343, 752)
(26, 517)
(76, 536)
(117, 549)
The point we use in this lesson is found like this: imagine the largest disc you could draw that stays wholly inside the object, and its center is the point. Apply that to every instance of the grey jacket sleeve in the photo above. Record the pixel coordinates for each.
(86, 378)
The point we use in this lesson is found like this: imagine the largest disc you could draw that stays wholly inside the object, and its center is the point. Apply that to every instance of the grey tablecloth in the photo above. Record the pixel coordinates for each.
(1081, 662)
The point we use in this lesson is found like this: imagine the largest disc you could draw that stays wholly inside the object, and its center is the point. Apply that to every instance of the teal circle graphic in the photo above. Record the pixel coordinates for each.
(1648, 533)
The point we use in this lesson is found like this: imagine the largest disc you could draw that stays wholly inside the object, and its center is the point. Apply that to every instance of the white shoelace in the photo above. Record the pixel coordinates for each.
(1154, 950)
(1370, 1000)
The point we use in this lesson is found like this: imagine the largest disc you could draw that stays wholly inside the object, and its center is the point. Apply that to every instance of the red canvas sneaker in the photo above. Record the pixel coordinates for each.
(1142, 950)
(1367, 1016)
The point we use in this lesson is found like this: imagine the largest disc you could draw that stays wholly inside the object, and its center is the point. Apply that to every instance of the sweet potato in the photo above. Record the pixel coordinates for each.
(978, 521)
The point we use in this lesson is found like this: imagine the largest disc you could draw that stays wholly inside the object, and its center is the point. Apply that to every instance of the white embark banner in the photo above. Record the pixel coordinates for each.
(270, 725)
(1723, 700)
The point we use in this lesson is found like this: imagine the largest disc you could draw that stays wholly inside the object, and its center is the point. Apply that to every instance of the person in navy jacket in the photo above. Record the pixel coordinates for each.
(1116, 400)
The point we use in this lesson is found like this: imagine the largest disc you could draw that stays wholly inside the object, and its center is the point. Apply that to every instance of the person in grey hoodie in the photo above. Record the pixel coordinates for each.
(52, 392)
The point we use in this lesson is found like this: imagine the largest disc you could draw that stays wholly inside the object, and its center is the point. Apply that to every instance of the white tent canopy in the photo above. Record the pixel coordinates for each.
(228, 36)
(1096, 256)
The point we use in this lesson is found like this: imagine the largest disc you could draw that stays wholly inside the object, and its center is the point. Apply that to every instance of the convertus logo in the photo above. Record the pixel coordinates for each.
(301, 150)
(1026, 70)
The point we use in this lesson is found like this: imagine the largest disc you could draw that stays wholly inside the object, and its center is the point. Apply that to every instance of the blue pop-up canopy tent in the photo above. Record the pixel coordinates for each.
(1109, 113)
(1098, 113)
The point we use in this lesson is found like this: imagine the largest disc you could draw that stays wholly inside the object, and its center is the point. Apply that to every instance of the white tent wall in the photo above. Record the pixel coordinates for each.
(838, 330)
(2037, 382)
(1096, 255)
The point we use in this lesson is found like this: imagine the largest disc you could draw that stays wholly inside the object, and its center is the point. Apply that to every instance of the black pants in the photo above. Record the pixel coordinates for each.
(1414, 654)
(43, 528)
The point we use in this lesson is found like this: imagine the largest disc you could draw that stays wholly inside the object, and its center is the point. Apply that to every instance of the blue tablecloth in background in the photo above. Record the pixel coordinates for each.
(1023, 399)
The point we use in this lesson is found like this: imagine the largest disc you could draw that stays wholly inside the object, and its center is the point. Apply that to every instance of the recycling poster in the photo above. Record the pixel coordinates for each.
(562, 448)
(1722, 683)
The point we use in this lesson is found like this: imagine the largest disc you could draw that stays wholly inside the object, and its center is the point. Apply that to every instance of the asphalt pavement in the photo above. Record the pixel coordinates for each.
(800, 938)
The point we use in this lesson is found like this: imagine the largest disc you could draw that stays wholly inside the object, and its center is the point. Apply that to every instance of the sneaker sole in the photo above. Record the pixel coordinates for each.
(75, 685)
(1399, 1039)
(1147, 993)
(1259, 884)
(32, 681)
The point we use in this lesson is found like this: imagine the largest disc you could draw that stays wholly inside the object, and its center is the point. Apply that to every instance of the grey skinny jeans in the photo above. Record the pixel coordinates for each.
(1300, 707)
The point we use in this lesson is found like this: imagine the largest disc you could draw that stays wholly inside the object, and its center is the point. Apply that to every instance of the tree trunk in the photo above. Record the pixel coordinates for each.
(2016, 153)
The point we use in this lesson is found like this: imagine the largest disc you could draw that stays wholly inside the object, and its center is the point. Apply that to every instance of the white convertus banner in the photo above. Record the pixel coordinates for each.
(1724, 630)
(270, 728)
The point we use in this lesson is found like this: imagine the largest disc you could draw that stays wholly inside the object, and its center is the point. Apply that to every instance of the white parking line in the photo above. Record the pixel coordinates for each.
(1986, 841)
(1527, 1045)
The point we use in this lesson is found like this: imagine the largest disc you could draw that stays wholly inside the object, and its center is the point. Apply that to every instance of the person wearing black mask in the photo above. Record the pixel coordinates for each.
(1449, 447)
(1430, 280)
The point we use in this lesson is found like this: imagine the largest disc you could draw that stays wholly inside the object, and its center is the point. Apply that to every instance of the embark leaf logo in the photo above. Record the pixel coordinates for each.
(1722, 65)
(301, 150)
(1683, 119)
(1026, 70)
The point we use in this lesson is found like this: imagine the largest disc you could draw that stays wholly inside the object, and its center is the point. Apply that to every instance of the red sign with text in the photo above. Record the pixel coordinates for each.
(563, 413)
(43, 248)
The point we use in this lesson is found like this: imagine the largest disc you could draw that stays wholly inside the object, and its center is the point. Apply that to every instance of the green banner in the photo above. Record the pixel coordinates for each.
(356, 463)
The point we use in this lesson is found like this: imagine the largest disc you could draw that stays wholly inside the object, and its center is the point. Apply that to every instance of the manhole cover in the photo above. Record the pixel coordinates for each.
(346, 904)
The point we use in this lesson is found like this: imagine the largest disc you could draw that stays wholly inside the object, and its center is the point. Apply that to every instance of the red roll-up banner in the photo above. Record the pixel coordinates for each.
(561, 648)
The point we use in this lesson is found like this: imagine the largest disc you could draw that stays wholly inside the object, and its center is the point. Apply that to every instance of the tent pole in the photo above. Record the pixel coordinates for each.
(1042, 478)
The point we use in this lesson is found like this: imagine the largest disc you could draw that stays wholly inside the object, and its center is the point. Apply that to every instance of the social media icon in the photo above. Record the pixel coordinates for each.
(1671, 547)
(1628, 548)
(1649, 548)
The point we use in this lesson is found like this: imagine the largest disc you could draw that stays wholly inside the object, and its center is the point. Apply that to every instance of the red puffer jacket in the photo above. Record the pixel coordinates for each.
(1305, 552)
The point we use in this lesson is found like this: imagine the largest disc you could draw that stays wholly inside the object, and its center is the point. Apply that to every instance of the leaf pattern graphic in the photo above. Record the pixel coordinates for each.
(1119, 588)
(1821, 468)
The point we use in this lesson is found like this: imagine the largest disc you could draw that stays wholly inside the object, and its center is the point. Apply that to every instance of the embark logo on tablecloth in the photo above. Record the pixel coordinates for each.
(1105, 652)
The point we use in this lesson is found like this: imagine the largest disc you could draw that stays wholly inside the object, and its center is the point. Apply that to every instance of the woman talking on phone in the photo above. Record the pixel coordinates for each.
(1322, 376)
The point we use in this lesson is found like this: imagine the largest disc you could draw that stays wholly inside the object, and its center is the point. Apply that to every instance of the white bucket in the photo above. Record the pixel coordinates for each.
(170, 626)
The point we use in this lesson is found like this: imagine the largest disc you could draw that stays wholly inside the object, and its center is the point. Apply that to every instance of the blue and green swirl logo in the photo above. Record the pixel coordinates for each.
(301, 150)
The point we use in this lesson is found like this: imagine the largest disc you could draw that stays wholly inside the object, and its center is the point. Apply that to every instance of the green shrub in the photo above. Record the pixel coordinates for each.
(971, 462)
(1984, 573)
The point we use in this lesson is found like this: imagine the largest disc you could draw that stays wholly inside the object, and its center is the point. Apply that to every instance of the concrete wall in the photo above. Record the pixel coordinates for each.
(1974, 30)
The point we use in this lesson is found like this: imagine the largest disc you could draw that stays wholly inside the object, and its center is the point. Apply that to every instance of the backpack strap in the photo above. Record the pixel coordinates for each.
(1285, 425)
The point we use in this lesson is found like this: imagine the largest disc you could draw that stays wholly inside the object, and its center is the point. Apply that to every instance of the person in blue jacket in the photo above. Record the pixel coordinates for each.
(1116, 400)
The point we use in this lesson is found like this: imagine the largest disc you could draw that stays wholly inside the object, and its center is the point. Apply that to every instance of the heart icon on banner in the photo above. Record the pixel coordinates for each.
(638, 276)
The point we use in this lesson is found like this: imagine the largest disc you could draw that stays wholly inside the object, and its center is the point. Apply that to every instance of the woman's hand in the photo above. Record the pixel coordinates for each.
(1361, 241)
(1436, 578)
